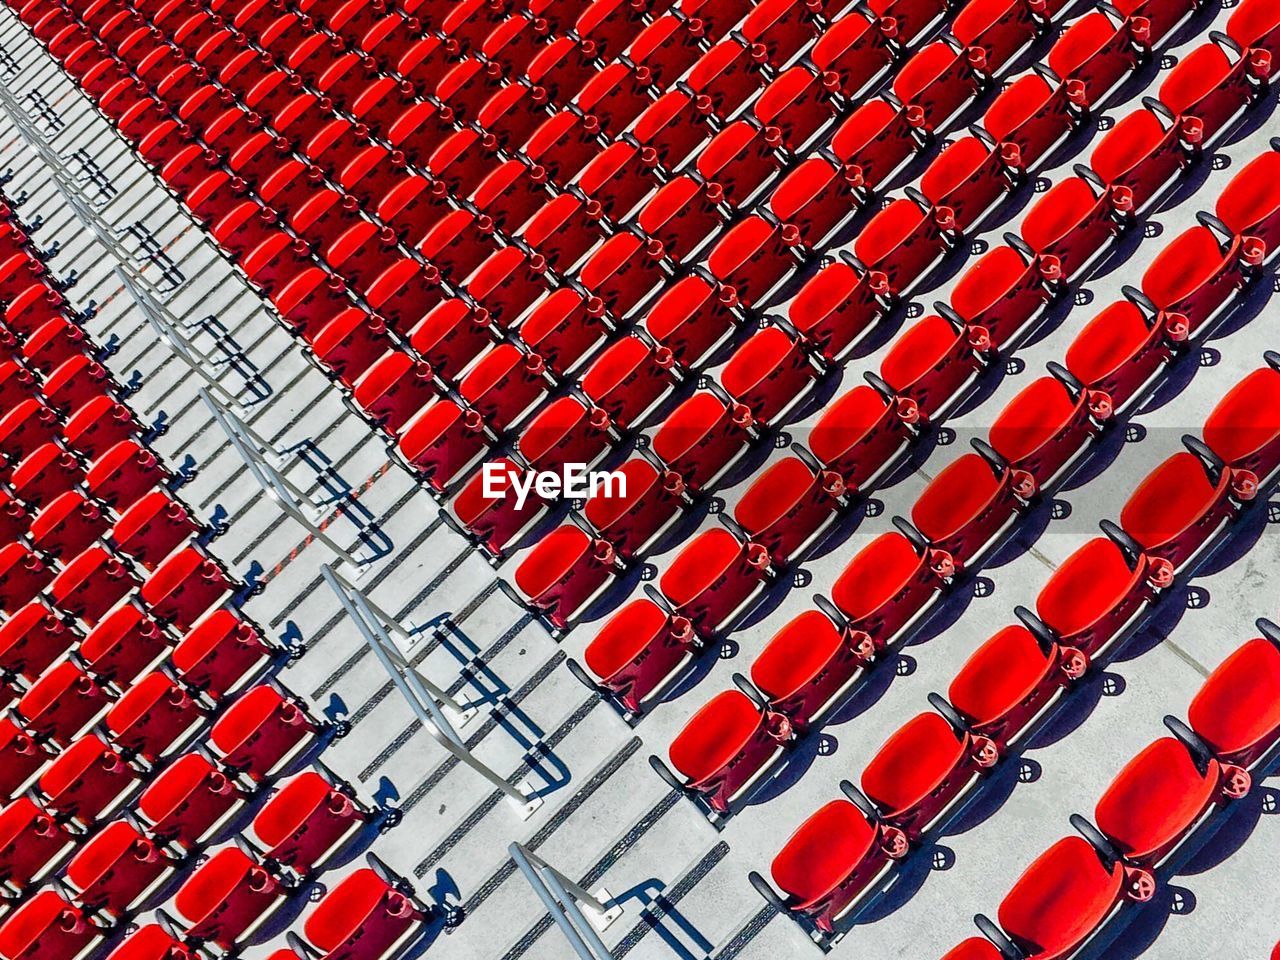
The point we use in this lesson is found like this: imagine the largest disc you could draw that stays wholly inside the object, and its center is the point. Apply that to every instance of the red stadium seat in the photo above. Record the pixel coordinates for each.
(789, 506)
(667, 47)
(617, 178)
(305, 823)
(815, 197)
(505, 385)
(85, 780)
(740, 158)
(1249, 205)
(33, 842)
(798, 104)
(857, 48)
(22, 757)
(681, 215)
(349, 344)
(1061, 899)
(835, 309)
(561, 67)
(452, 335)
(403, 294)
(1000, 29)
(123, 473)
(923, 769)
(494, 523)
(363, 918)
(53, 343)
(1210, 87)
(562, 145)
(1095, 54)
(1116, 354)
(122, 645)
(23, 574)
(219, 654)
(858, 435)
(769, 373)
(965, 510)
(1178, 507)
(153, 528)
(1070, 225)
(441, 441)
(930, 366)
(260, 732)
(46, 927)
(565, 431)
(610, 25)
(668, 131)
(714, 577)
(227, 898)
(807, 666)
(152, 943)
(1096, 593)
(1003, 293)
(313, 298)
(152, 717)
(61, 703)
(457, 243)
(968, 178)
(75, 381)
(562, 230)
(1009, 681)
(1029, 118)
(628, 379)
(187, 800)
(32, 638)
(395, 388)
(631, 521)
(116, 868)
(782, 27)
(1244, 431)
(726, 747)
(1255, 24)
(1235, 711)
(975, 948)
(826, 866)
(901, 242)
(25, 427)
(185, 587)
(91, 584)
(1041, 431)
(622, 271)
(1140, 154)
(614, 97)
(1194, 276)
(691, 318)
(883, 590)
(563, 327)
(564, 573)
(639, 651)
(1159, 796)
(938, 81)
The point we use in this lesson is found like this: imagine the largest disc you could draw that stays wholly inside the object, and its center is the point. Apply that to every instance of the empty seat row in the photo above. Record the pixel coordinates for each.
(1183, 290)
(1176, 514)
(1153, 806)
(1005, 689)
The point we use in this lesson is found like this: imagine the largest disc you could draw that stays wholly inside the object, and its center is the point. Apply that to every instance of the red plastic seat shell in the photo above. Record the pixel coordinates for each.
(714, 735)
(1155, 799)
(1237, 710)
(818, 857)
(1060, 899)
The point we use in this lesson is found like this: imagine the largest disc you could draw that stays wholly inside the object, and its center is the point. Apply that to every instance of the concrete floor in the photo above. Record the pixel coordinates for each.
(605, 817)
